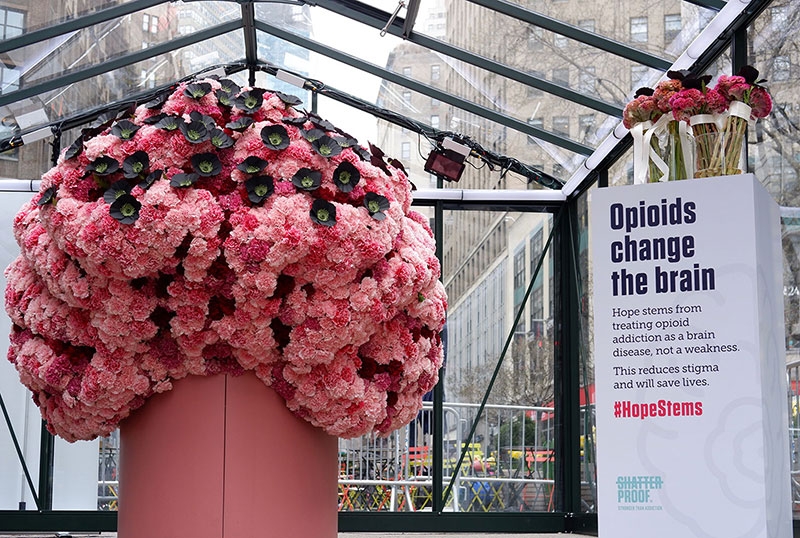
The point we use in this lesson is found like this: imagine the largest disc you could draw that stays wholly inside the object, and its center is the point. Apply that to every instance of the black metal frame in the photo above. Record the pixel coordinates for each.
(568, 517)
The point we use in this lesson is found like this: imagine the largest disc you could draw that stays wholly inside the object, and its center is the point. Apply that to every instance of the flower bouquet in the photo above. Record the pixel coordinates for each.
(746, 100)
(678, 153)
(698, 105)
(640, 116)
(221, 230)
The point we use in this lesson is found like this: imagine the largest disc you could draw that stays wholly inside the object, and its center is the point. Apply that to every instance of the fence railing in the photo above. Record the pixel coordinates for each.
(508, 466)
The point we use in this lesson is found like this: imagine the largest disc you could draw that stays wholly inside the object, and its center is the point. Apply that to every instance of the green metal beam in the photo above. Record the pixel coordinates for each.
(424, 89)
(614, 47)
(716, 5)
(250, 41)
(78, 23)
(72, 77)
(377, 19)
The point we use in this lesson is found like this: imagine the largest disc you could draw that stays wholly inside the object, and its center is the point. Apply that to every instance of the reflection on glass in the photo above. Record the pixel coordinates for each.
(491, 261)
(773, 152)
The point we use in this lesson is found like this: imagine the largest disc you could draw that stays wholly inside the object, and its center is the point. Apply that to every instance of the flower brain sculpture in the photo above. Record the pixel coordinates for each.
(222, 231)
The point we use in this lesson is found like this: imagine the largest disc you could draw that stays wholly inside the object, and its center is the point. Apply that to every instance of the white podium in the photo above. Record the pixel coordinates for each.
(692, 422)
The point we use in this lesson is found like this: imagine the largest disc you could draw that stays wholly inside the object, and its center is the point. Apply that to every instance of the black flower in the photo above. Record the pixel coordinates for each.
(206, 164)
(250, 101)
(240, 124)
(376, 205)
(275, 137)
(126, 209)
(346, 176)
(252, 165)
(346, 141)
(307, 179)
(184, 180)
(125, 129)
(220, 139)
(151, 178)
(299, 121)
(75, 149)
(208, 121)
(154, 119)
(224, 98)
(323, 212)
(136, 165)
(228, 86)
(326, 146)
(197, 90)
(313, 134)
(116, 190)
(362, 153)
(290, 100)
(325, 125)
(195, 132)
(157, 102)
(259, 188)
(48, 197)
(170, 123)
(103, 166)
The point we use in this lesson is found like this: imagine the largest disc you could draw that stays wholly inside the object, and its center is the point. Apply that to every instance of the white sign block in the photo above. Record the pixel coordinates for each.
(692, 421)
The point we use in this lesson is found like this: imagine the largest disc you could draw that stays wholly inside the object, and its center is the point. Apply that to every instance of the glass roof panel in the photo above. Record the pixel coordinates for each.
(663, 28)
(532, 50)
(36, 14)
(114, 38)
(423, 70)
(126, 82)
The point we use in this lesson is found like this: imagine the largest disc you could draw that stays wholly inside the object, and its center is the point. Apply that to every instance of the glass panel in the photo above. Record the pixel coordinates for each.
(117, 37)
(136, 78)
(25, 418)
(663, 29)
(454, 77)
(586, 361)
(489, 261)
(37, 14)
(536, 51)
(773, 152)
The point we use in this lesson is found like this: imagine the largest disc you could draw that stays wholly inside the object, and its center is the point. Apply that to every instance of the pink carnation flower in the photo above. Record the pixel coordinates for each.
(134, 273)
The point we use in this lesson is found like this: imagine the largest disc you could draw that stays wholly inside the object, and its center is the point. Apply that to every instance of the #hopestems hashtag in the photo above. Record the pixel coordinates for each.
(617, 409)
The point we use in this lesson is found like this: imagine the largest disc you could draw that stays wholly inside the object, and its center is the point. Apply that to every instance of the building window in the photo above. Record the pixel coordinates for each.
(587, 80)
(778, 16)
(585, 124)
(639, 29)
(407, 98)
(153, 24)
(435, 72)
(9, 79)
(537, 123)
(587, 25)
(672, 27)
(561, 76)
(560, 41)
(781, 68)
(435, 121)
(639, 75)
(12, 22)
(561, 125)
(532, 91)
(536, 38)
(434, 102)
(145, 23)
(519, 279)
(405, 150)
(407, 71)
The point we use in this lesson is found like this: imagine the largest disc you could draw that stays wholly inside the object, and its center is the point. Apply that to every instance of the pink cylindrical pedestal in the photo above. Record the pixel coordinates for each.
(222, 457)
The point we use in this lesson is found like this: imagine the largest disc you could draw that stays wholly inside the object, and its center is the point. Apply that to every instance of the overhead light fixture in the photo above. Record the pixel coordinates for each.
(290, 78)
(447, 162)
(38, 134)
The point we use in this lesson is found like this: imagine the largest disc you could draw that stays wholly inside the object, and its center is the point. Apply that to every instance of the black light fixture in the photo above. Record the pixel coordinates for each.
(447, 161)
